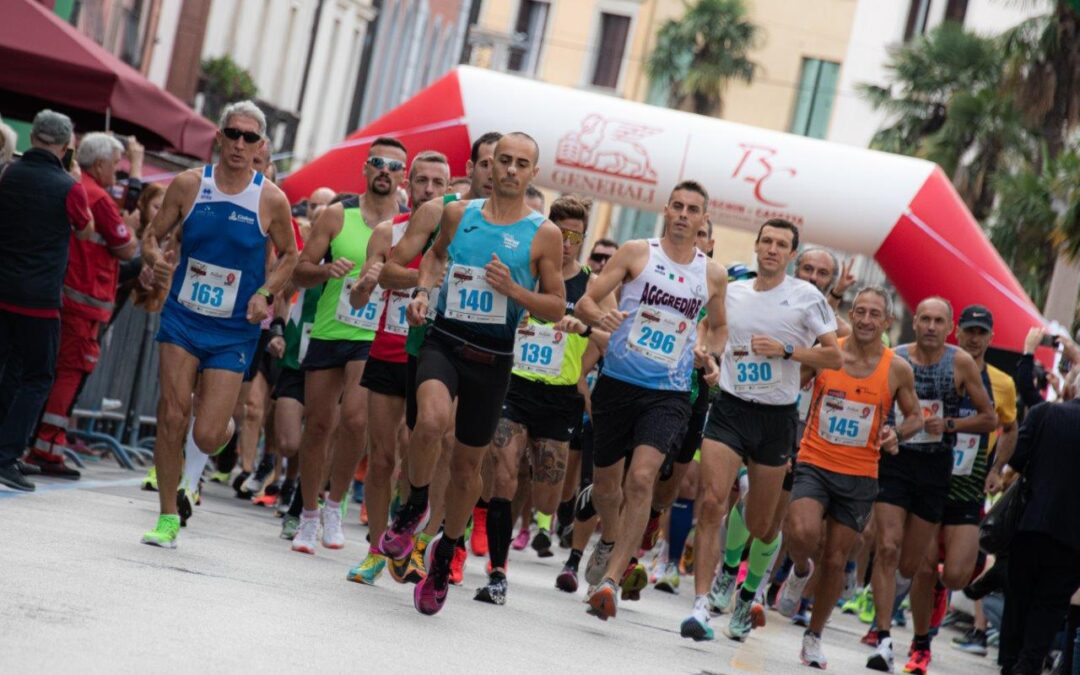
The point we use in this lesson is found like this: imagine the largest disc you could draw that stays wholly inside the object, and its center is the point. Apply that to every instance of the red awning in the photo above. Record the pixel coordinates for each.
(50, 64)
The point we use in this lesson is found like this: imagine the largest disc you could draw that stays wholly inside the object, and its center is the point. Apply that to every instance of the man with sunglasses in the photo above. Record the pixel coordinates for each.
(602, 251)
(542, 407)
(500, 250)
(219, 295)
(340, 342)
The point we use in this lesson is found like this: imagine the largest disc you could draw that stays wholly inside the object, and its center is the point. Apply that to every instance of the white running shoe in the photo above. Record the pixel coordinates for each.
(851, 586)
(811, 654)
(791, 592)
(598, 562)
(333, 536)
(307, 536)
(882, 658)
(721, 592)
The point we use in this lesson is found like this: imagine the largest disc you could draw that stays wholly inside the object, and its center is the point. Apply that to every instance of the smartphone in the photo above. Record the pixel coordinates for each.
(69, 154)
(1049, 340)
(131, 194)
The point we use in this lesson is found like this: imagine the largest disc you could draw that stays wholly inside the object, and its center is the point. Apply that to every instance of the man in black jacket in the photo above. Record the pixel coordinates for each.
(1044, 558)
(40, 203)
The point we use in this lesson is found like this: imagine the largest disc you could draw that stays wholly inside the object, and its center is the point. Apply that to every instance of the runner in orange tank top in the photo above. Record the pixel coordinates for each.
(836, 474)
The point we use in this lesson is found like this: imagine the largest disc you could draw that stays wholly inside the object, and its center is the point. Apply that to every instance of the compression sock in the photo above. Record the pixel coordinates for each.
(575, 559)
(500, 531)
(761, 554)
(921, 642)
(682, 519)
(418, 497)
(565, 512)
(297, 505)
(737, 536)
(194, 461)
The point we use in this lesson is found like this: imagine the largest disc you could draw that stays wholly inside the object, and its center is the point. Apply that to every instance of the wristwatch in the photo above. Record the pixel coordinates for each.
(420, 289)
(950, 424)
(789, 350)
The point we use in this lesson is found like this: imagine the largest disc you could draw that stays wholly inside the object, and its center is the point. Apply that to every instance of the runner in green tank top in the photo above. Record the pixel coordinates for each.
(340, 340)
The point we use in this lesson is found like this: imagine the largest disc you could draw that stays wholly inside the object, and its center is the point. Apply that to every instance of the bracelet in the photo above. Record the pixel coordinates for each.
(421, 289)
(588, 332)
(265, 292)
(278, 323)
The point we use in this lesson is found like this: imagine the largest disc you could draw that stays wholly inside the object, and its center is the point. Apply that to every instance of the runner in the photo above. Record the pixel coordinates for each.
(400, 273)
(958, 544)
(542, 407)
(774, 322)
(915, 482)
(210, 322)
(836, 474)
(339, 345)
(641, 402)
(500, 249)
(386, 374)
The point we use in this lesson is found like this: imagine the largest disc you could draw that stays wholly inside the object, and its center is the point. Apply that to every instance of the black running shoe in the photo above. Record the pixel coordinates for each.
(541, 543)
(495, 590)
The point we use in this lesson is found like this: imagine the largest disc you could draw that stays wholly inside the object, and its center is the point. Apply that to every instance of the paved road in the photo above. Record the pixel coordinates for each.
(78, 589)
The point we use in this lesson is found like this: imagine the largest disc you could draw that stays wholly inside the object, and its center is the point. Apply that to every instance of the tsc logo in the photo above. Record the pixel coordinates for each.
(609, 147)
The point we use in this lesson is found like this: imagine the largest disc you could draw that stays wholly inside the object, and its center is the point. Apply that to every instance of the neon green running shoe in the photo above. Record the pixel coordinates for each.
(150, 482)
(866, 612)
(164, 533)
(220, 477)
(368, 571)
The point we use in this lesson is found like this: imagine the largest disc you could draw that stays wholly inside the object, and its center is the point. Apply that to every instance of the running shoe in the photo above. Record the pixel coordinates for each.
(598, 561)
(257, 481)
(867, 611)
(416, 570)
(52, 464)
(399, 569)
(521, 540)
(150, 482)
(870, 639)
(429, 596)
(757, 615)
(721, 592)
(918, 662)
(457, 565)
(363, 513)
(855, 603)
(307, 536)
(791, 592)
(634, 580)
(397, 540)
(801, 618)
(742, 622)
(368, 571)
(541, 543)
(811, 654)
(697, 629)
(164, 533)
(603, 602)
(478, 541)
(289, 525)
(882, 658)
(333, 535)
(265, 500)
(851, 586)
(686, 561)
(972, 642)
(238, 484)
(567, 580)
(648, 537)
(494, 592)
(669, 579)
(565, 534)
(358, 491)
(220, 477)
(185, 505)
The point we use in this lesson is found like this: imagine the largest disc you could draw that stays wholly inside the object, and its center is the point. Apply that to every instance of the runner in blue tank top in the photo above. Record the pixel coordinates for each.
(220, 294)
(494, 251)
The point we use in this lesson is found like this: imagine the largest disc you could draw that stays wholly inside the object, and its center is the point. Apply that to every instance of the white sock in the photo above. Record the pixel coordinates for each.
(194, 461)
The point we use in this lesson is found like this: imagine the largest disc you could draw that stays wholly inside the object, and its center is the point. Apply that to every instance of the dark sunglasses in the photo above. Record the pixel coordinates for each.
(600, 257)
(380, 163)
(234, 134)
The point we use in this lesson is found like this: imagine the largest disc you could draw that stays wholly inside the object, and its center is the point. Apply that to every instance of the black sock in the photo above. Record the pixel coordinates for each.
(882, 634)
(810, 632)
(481, 503)
(921, 641)
(565, 512)
(653, 513)
(418, 496)
(746, 595)
(500, 530)
(297, 506)
(733, 571)
(444, 550)
(574, 560)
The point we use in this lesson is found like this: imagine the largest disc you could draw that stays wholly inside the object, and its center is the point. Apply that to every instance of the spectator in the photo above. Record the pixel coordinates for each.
(148, 297)
(8, 141)
(602, 251)
(1044, 557)
(39, 205)
(89, 293)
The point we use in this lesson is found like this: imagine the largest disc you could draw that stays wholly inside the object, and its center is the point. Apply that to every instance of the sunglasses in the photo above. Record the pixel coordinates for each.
(600, 257)
(380, 163)
(234, 134)
(571, 237)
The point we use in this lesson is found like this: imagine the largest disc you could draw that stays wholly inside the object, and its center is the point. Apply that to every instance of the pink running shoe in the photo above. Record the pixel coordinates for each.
(521, 540)
(397, 540)
(429, 596)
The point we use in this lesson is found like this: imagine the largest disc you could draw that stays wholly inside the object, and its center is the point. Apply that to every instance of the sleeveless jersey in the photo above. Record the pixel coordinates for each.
(537, 347)
(466, 301)
(389, 344)
(935, 385)
(969, 454)
(299, 325)
(335, 319)
(417, 333)
(222, 261)
(844, 419)
(653, 347)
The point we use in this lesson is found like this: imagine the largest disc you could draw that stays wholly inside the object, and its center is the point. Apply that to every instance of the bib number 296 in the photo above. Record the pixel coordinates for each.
(657, 340)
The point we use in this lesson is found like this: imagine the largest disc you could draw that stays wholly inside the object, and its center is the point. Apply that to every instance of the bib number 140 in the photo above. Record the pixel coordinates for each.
(476, 300)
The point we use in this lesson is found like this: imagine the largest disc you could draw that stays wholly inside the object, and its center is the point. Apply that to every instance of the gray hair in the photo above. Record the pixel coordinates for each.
(881, 293)
(95, 146)
(52, 128)
(832, 257)
(246, 108)
(8, 140)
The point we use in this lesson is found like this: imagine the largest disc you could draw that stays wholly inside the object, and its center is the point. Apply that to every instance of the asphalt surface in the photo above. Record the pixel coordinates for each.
(77, 589)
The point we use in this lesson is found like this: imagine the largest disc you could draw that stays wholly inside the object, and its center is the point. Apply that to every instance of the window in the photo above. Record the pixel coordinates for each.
(916, 18)
(956, 10)
(813, 105)
(531, 22)
(614, 29)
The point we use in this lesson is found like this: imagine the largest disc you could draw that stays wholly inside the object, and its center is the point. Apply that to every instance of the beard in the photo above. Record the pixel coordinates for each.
(377, 187)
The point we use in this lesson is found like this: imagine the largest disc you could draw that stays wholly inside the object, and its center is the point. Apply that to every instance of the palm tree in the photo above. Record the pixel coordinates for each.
(696, 56)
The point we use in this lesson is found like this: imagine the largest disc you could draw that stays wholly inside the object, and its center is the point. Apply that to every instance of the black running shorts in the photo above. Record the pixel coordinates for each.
(962, 513)
(290, 384)
(763, 434)
(548, 411)
(917, 482)
(626, 416)
(849, 500)
(327, 354)
(385, 377)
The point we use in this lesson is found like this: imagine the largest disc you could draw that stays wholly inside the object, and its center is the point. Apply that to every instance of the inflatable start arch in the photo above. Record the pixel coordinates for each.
(902, 211)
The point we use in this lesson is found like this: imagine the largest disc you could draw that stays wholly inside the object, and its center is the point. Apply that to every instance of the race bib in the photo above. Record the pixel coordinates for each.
(930, 408)
(305, 339)
(806, 397)
(209, 290)
(843, 422)
(659, 335)
(539, 349)
(470, 298)
(754, 373)
(396, 310)
(964, 453)
(365, 317)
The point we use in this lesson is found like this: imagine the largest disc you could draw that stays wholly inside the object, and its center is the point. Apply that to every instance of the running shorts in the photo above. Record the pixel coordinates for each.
(962, 513)
(763, 434)
(385, 377)
(327, 354)
(290, 384)
(213, 352)
(626, 416)
(546, 410)
(849, 500)
(917, 482)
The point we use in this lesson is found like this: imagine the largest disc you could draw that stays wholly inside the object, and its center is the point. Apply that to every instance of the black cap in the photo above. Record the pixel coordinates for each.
(976, 316)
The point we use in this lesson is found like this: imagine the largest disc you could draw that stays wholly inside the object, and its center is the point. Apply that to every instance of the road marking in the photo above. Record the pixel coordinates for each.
(74, 485)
